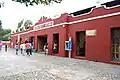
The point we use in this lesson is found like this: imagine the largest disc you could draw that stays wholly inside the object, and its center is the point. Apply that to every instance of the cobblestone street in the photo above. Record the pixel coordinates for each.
(41, 67)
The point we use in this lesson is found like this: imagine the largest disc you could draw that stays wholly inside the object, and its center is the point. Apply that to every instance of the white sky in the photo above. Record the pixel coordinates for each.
(13, 12)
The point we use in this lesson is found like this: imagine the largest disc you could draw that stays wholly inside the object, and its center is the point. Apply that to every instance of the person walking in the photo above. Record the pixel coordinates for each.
(46, 48)
(31, 48)
(16, 48)
(28, 47)
(0, 46)
(6, 47)
(55, 48)
(23, 48)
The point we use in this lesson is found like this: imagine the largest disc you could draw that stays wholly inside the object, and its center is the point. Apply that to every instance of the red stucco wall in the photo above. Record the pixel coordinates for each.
(97, 47)
(13, 40)
(49, 32)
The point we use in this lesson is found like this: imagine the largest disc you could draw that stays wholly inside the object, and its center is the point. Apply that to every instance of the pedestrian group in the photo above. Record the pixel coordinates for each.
(25, 47)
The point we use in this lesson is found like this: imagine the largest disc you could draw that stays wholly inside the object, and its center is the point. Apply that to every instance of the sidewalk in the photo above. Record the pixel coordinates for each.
(41, 67)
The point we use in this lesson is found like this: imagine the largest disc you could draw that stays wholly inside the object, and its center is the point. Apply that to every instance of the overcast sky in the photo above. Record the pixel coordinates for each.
(13, 12)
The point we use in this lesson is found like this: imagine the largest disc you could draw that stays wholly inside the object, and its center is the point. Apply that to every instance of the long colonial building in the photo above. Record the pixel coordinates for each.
(95, 34)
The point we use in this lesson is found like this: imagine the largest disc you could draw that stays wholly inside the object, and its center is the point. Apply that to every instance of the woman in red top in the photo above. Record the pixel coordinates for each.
(28, 47)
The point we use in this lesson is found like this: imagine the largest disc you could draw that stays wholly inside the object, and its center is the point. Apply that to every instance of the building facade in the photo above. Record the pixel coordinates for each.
(95, 34)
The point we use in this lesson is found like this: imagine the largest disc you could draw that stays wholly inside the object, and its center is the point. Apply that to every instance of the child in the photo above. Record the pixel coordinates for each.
(16, 48)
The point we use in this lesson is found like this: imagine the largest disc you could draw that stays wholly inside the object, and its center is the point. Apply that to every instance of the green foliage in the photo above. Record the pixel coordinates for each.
(27, 24)
(4, 32)
(22, 29)
(20, 23)
(16, 30)
(1, 4)
(32, 2)
(0, 25)
(6, 37)
(13, 32)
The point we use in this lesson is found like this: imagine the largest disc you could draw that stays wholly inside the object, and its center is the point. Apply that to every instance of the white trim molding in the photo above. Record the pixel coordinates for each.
(18, 38)
(111, 7)
(85, 13)
(97, 17)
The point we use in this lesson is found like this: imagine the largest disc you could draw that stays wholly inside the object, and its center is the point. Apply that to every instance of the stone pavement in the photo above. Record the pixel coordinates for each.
(41, 67)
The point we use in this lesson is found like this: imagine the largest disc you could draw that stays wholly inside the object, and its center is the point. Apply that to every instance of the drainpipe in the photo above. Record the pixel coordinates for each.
(18, 41)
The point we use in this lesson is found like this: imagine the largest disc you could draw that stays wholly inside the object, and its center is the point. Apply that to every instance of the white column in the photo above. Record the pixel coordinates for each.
(18, 38)
(70, 50)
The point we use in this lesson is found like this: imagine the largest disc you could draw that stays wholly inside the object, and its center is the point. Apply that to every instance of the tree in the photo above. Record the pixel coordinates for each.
(16, 30)
(4, 33)
(0, 24)
(1, 4)
(20, 23)
(27, 24)
(6, 37)
(21, 29)
(13, 32)
(32, 2)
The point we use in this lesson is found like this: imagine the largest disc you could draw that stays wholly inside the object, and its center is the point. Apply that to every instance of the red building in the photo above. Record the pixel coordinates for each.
(95, 34)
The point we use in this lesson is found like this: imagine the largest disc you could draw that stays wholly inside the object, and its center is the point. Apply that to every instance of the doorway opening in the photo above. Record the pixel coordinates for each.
(42, 40)
(115, 44)
(56, 43)
(80, 43)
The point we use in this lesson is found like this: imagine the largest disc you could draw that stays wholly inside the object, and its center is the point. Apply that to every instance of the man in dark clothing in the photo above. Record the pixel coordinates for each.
(6, 47)
(30, 49)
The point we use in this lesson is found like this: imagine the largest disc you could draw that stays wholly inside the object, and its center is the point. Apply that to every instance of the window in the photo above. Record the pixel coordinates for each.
(115, 44)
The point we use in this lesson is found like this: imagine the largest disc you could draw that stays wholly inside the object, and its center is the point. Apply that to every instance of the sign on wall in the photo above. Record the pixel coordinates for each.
(44, 25)
(91, 32)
